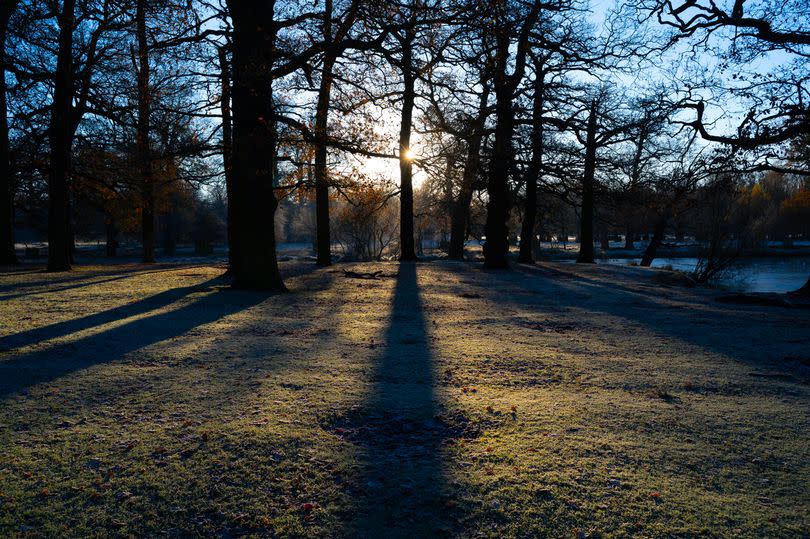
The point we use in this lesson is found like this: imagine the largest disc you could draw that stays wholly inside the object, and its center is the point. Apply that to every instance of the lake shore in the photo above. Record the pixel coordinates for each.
(617, 250)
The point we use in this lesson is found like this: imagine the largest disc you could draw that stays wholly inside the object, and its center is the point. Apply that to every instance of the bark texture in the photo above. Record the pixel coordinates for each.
(61, 142)
(254, 204)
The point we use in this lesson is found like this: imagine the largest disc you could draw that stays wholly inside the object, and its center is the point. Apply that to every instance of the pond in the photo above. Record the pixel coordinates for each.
(771, 274)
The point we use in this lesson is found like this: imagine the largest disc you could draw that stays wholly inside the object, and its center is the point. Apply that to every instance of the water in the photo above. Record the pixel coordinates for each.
(772, 274)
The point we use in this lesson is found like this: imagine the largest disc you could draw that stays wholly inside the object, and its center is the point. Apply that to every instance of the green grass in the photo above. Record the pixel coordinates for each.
(446, 401)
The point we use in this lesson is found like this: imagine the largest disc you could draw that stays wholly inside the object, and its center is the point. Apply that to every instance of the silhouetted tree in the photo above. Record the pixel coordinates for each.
(61, 142)
(8, 255)
(527, 234)
(508, 21)
(334, 36)
(779, 110)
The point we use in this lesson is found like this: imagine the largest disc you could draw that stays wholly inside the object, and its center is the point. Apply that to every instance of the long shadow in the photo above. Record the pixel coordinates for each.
(23, 371)
(91, 282)
(163, 299)
(60, 329)
(398, 431)
(86, 279)
(700, 323)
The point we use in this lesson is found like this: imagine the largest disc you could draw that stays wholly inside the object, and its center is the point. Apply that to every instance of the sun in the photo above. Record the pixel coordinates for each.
(409, 155)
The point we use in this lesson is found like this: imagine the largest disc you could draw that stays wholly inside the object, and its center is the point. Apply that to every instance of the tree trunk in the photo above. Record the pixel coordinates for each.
(460, 218)
(657, 240)
(496, 248)
(61, 143)
(227, 143)
(170, 222)
(406, 224)
(111, 230)
(323, 236)
(527, 235)
(144, 156)
(586, 213)
(635, 178)
(71, 234)
(8, 255)
(253, 202)
(628, 238)
(604, 237)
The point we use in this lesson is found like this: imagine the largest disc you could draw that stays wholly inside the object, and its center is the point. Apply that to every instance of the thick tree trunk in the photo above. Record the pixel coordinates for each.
(323, 236)
(657, 240)
(8, 255)
(406, 223)
(460, 217)
(143, 146)
(61, 142)
(527, 235)
(496, 248)
(254, 203)
(586, 213)
(227, 143)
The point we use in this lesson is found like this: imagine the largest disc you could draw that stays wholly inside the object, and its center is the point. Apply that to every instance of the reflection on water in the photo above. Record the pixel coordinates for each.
(776, 274)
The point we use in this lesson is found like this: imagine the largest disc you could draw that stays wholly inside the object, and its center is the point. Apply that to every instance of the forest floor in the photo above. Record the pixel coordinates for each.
(437, 400)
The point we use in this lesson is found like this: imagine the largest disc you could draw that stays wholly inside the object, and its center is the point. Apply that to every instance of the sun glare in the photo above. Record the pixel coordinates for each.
(409, 155)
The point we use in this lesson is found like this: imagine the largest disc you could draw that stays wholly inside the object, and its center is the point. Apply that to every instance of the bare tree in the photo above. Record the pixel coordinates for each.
(61, 142)
(779, 110)
(8, 255)
(509, 21)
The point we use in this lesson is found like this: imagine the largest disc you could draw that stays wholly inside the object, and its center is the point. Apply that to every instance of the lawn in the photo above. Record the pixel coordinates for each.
(436, 400)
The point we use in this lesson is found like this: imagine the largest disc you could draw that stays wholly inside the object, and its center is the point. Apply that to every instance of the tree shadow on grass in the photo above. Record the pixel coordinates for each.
(82, 278)
(88, 280)
(139, 307)
(690, 317)
(23, 371)
(399, 432)
(61, 329)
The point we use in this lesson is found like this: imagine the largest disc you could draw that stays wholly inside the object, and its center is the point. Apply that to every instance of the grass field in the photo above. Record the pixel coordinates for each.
(437, 400)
